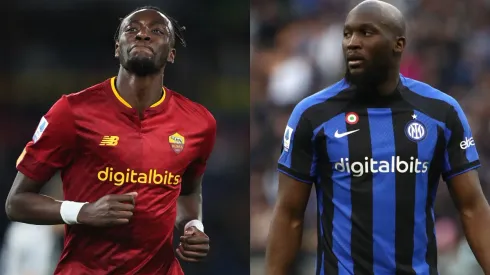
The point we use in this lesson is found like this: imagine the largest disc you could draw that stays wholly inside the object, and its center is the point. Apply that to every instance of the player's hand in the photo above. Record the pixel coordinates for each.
(108, 211)
(194, 245)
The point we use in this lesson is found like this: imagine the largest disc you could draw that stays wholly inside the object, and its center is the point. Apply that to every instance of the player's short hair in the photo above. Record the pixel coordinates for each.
(177, 33)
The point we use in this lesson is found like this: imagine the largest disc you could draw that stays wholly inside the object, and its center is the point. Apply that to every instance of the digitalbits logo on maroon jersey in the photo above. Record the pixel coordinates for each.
(119, 178)
(177, 142)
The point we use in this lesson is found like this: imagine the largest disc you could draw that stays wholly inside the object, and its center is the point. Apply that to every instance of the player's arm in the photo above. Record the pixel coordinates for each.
(189, 203)
(52, 149)
(49, 151)
(286, 229)
(295, 183)
(194, 243)
(475, 214)
(25, 204)
(460, 163)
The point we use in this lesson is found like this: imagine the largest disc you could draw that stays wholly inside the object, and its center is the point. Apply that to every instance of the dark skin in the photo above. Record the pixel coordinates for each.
(474, 212)
(146, 36)
(194, 244)
(374, 36)
(372, 30)
(287, 224)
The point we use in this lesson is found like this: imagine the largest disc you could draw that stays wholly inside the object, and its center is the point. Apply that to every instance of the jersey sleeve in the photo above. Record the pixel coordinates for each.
(460, 155)
(297, 155)
(52, 144)
(197, 168)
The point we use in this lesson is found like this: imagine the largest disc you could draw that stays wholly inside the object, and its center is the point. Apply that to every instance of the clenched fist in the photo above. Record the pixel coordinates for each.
(108, 211)
(194, 245)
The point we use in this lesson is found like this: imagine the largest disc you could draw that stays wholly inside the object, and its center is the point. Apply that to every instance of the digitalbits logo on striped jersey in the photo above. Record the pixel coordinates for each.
(394, 165)
(43, 124)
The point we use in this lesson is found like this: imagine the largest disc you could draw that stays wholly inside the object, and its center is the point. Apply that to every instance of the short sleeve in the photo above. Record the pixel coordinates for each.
(460, 155)
(297, 155)
(51, 146)
(197, 168)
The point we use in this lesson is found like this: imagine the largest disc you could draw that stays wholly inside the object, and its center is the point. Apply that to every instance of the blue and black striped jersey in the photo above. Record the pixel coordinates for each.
(376, 165)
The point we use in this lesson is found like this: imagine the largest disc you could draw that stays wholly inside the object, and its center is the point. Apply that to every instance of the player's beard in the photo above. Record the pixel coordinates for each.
(141, 66)
(374, 74)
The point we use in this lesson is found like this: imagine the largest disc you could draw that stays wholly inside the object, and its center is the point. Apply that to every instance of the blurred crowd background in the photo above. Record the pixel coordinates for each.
(296, 51)
(55, 47)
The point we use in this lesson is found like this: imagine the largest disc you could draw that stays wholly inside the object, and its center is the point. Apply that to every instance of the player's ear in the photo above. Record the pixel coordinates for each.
(171, 55)
(399, 44)
(116, 50)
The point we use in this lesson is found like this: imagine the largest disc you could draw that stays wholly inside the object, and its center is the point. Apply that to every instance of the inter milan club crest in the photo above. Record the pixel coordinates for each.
(177, 142)
(351, 118)
(415, 129)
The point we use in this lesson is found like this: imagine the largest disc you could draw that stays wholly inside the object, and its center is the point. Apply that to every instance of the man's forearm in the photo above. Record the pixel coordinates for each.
(476, 224)
(189, 207)
(283, 243)
(33, 208)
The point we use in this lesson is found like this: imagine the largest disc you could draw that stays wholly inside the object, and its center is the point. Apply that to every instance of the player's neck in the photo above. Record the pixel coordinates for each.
(139, 92)
(389, 86)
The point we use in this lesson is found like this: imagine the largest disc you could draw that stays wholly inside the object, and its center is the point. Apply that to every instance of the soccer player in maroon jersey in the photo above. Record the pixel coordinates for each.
(132, 156)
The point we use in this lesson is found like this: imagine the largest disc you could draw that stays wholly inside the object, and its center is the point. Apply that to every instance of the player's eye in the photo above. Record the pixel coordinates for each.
(367, 32)
(158, 31)
(346, 34)
(131, 29)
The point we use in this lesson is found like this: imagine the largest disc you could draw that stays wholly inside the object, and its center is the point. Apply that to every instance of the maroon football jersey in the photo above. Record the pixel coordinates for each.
(102, 147)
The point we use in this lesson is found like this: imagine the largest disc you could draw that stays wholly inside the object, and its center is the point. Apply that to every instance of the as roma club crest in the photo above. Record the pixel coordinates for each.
(177, 142)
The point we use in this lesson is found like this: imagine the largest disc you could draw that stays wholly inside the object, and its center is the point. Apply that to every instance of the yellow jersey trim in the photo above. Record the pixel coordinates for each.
(125, 103)
(21, 157)
(161, 99)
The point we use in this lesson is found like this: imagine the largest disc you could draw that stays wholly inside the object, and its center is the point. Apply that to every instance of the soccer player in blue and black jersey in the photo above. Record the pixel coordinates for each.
(374, 145)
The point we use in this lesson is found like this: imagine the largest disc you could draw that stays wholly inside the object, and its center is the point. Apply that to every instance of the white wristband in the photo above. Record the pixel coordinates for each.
(197, 223)
(69, 211)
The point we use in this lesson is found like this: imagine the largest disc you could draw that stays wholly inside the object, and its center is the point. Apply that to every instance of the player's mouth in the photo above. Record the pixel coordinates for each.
(141, 48)
(355, 61)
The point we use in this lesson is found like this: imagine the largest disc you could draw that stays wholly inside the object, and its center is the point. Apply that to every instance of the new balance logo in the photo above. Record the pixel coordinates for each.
(341, 135)
(467, 143)
(109, 141)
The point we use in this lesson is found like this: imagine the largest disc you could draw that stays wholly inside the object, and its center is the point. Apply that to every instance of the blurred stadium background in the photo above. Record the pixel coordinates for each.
(296, 51)
(54, 47)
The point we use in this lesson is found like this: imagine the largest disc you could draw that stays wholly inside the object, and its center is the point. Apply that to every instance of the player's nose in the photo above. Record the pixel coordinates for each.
(143, 34)
(354, 42)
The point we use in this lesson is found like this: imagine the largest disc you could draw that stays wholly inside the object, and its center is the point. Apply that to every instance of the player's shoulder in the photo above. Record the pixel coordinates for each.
(88, 95)
(427, 91)
(320, 97)
(190, 107)
(69, 102)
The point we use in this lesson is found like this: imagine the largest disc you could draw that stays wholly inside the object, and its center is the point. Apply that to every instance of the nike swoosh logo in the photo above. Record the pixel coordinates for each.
(337, 135)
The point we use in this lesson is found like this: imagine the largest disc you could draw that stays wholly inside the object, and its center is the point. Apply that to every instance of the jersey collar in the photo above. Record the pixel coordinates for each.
(155, 107)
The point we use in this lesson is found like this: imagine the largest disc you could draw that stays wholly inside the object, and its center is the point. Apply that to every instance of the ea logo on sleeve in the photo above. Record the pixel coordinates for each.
(287, 138)
(43, 124)
(415, 131)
